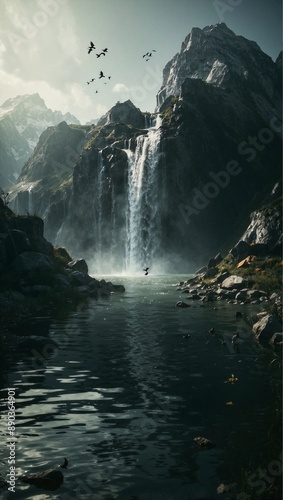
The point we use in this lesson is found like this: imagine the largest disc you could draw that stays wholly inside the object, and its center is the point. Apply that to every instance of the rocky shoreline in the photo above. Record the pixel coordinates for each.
(234, 280)
(35, 276)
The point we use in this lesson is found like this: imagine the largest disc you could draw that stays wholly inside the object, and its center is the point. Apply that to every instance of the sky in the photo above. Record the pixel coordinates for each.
(44, 46)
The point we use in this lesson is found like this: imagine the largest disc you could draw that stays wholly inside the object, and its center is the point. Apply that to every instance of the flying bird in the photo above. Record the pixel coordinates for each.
(65, 464)
(105, 50)
(146, 269)
(101, 75)
(91, 47)
(149, 54)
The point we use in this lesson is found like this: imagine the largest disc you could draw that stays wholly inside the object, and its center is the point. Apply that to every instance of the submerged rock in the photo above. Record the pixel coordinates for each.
(181, 304)
(50, 479)
(204, 442)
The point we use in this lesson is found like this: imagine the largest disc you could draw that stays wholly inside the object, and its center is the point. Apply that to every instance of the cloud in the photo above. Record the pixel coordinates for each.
(101, 110)
(120, 88)
(73, 98)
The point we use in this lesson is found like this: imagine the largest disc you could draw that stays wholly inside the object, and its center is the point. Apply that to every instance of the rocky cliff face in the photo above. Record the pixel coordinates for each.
(44, 186)
(178, 187)
(35, 276)
(124, 112)
(22, 120)
(224, 60)
(265, 227)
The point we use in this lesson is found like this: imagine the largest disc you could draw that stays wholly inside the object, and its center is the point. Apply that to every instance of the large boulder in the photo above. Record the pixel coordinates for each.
(234, 281)
(78, 265)
(16, 243)
(32, 262)
(77, 278)
(266, 327)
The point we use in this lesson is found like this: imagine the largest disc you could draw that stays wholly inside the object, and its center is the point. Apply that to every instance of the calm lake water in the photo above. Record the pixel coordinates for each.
(119, 392)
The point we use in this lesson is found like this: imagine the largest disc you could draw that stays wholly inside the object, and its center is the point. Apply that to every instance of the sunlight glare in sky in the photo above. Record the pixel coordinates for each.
(43, 46)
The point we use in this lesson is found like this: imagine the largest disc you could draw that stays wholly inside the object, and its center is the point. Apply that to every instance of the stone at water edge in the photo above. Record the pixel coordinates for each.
(50, 479)
(78, 265)
(234, 281)
(181, 304)
(266, 327)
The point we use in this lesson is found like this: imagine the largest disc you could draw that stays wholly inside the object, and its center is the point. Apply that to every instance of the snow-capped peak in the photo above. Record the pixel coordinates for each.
(31, 116)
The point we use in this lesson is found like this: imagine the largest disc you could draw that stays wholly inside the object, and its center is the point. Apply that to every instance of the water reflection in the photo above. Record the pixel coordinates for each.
(118, 391)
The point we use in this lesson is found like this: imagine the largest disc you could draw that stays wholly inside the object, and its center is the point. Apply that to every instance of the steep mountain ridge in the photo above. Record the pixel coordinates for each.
(22, 120)
(217, 56)
(176, 192)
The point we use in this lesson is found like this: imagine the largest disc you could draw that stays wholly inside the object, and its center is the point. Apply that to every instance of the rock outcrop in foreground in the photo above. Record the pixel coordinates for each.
(35, 274)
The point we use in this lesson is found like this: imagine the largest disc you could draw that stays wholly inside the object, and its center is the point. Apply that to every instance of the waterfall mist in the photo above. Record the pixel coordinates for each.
(120, 208)
(127, 214)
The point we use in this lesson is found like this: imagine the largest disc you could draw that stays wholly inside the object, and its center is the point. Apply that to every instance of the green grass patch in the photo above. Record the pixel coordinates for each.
(265, 273)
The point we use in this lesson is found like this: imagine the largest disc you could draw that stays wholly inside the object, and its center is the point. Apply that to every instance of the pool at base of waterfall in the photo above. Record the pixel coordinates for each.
(124, 385)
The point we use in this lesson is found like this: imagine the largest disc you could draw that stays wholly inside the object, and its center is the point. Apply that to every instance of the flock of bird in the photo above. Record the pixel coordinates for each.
(103, 52)
(149, 54)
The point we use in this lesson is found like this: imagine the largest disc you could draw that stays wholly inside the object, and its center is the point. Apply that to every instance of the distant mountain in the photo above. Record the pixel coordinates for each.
(176, 188)
(22, 120)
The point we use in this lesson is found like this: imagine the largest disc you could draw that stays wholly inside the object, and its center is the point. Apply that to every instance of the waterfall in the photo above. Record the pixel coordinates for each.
(30, 200)
(98, 208)
(125, 205)
(143, 214)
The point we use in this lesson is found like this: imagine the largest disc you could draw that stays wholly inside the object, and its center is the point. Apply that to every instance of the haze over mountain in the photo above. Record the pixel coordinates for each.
(172, 189)
(44, 46)
(22, 120)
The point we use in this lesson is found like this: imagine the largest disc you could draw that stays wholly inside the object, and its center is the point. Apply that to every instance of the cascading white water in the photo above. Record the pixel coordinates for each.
(142, 211)
(126, 214)
(30, 200)
(99, 207)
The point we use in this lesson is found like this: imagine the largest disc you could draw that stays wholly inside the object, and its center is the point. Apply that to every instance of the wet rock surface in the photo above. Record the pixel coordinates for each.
(35, 274)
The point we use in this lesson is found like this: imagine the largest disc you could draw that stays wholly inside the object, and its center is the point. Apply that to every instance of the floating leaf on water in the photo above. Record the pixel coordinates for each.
(232, 378)
(224, 488)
